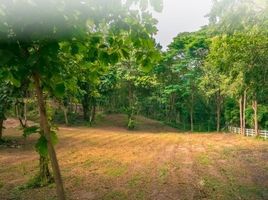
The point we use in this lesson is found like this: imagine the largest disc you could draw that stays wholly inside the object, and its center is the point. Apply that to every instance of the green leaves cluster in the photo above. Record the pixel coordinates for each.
(41, 145)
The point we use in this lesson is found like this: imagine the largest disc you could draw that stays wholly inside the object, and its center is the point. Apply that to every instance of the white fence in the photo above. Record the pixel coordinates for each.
(249, 132)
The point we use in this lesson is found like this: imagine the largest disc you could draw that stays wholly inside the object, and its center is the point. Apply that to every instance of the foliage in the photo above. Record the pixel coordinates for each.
(5, 99)
(102, 56)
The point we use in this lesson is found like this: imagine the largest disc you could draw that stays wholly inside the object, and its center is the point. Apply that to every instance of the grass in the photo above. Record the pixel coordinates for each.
(227, 151)
(213, 184)
(140, 195)
(215, 188)
(250, 192)
(203, 159)
(115, 195)
(151, 162)
(163, 173)
(135, 181)
(89, 163)
(77, 180)
(115, 171)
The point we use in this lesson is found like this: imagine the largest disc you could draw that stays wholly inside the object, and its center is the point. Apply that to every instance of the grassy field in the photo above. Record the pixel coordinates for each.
(154, 162)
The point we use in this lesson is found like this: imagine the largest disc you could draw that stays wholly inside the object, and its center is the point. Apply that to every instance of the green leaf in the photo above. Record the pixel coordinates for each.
(140, 56)
(114, 58)
(54, 137)
(59, 89)
(50, 48)
(41, 146)
(5, 56)
(30, 130)
(125, 53)
(147, 65)
(74, 49)
(104, 57)
(92, 55)
(103, 46)
(32, 60)
(4, 74)
(14, 81)
(95, 39)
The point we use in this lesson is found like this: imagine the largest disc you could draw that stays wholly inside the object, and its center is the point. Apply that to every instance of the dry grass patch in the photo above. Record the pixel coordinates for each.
(112, 163)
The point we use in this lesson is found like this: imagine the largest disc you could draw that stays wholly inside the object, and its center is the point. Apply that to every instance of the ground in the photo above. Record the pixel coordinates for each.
(155, 162)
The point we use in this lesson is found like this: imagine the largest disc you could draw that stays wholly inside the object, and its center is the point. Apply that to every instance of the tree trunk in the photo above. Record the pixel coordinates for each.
(256, 125)
(172, 108)
(192, 113)
(44, 176)
(131, 109)
(44, 173)
(65, 112)
(93, 111)
(192, 119)
(1, 128)
(218, 118)
(85, 105)
(244, 112)
(17, 111)
(219, 111)
(25, 112)
(22, 113)
(51, 150)
(111, 107)
(241, 115)
(76, 108)
(209, 125)
(178, 118)
(130, 95)
(23, 125)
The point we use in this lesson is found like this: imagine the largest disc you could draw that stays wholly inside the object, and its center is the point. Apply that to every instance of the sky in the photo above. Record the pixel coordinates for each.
(181, 16)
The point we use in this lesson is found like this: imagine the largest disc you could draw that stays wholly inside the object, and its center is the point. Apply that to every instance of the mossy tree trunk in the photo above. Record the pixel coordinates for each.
(45, 176)
(46, 129)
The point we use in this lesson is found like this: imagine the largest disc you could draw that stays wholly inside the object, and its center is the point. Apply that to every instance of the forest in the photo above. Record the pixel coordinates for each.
(88, 79)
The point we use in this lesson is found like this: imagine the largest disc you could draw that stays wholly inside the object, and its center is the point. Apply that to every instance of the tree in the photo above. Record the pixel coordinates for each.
(239, 22)
(30, 48)
(214, 83)
(185, 58)
(139, 55)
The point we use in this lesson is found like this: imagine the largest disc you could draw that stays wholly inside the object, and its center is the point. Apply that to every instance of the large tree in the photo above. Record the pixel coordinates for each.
(30, 37)
(241, 27)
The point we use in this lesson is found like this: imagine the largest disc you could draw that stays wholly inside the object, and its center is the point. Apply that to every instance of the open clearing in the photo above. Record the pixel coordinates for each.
(108, 162)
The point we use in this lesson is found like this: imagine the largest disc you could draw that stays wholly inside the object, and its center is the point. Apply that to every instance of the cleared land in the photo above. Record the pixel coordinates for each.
(154, 162)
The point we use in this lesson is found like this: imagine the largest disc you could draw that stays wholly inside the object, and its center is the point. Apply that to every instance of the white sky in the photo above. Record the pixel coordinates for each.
(180, 16)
